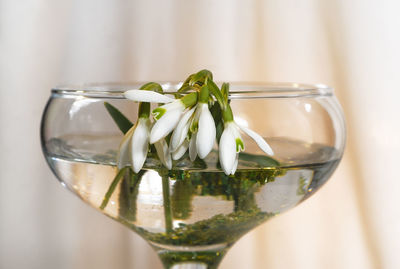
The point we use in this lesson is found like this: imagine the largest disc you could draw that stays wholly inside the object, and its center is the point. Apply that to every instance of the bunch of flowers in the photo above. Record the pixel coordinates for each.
(197, 116)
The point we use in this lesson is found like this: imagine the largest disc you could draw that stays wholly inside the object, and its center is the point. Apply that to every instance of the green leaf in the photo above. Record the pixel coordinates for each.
(219, 130)
(262, 160)
(123, 123)
(112, 187)
(217, 115)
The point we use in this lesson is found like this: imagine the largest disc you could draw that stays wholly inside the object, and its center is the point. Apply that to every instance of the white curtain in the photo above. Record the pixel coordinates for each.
(352, 222)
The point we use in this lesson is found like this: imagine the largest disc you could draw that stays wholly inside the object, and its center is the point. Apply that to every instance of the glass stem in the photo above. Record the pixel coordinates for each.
(190, 266)
(191, 260)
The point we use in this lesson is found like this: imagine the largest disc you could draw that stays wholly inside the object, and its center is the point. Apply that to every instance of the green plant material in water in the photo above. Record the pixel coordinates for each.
(262, 160)
(218, 229)
(216, 113)
(128, 194)
(167, 204)
(181, 199)
(210, 258)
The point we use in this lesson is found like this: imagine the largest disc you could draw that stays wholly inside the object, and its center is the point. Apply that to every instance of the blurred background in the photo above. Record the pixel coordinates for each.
(353, 46)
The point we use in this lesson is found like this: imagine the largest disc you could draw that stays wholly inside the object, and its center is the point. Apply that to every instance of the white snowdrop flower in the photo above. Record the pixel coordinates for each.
(200, 123)
(258, 139)
(147, 96)
(167, 117)
(206, 131)
(178, 153)
(123, 158)
(181, 131)
(192, 147)
(135, 145)
(163, 153)
(192, 134)
(202, 128)
(191, 123)
(140, 143)
(230, 145)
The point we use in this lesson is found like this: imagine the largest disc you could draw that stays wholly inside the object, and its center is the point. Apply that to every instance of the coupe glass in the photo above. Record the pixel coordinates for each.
(192, 214)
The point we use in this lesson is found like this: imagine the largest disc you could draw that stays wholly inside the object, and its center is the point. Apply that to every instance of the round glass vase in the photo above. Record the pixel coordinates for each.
(192, 214)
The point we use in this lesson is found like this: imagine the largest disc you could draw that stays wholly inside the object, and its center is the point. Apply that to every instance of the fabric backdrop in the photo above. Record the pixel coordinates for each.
(352, 222)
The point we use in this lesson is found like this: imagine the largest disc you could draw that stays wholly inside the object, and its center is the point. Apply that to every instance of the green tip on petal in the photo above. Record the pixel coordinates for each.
(194, 126)
(239, 145)
(158, 112)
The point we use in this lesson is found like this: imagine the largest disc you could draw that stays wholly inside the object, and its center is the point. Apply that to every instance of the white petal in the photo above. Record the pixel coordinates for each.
(163, 153)
(192, 148)
(178, 153)
(181, 130)
(140, 144)
(235, 165)
(173, 105)
(236, 134)
(227, 150)
(165, 124)
(258, 139)
(147, 96)
(123, 152)
(206, 133)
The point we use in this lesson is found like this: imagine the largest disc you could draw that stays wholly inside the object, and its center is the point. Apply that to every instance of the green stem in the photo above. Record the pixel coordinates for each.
(144, 110)
(167, 203)
(129, 189)
(144, 107)
(112, 187)
(217, 93)
(204, 94)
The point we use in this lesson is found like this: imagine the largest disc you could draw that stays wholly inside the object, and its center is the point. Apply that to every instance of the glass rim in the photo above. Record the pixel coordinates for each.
(238, 90)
